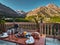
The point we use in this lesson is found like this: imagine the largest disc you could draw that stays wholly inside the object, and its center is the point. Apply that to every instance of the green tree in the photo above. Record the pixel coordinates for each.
(2, 25)
(37, 19)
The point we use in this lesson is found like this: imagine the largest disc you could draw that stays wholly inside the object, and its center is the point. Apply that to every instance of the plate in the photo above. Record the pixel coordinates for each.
(4, 36)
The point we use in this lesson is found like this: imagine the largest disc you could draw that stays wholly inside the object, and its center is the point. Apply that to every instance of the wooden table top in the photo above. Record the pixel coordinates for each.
(12, 38)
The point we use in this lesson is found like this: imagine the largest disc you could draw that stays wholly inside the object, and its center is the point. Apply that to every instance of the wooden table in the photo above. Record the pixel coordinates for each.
(21, 41)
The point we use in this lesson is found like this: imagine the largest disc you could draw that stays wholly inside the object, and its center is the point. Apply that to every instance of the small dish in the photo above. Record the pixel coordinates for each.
(4, 35)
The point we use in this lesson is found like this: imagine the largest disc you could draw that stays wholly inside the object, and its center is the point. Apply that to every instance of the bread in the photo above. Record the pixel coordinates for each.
(36, 35)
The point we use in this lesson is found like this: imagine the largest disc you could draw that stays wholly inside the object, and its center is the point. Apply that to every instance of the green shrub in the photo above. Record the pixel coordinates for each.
(21, 20)
(17, 20)
(55, 19)
(2, 21)
(9, 20)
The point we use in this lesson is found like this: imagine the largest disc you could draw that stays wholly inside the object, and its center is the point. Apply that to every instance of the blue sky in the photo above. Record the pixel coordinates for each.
(27, 5)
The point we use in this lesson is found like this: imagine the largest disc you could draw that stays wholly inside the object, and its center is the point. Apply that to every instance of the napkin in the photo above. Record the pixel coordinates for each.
(30, 40)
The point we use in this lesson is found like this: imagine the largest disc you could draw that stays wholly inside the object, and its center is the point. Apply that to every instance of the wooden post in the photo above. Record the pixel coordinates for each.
(2, 28)
(50, 29)
(45, 28)
(42, 28)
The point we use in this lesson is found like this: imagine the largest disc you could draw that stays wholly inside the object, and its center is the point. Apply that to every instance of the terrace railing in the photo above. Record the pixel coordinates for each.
(45, 28)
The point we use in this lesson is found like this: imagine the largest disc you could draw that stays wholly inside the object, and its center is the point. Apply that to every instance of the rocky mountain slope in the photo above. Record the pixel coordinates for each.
(49, 10)
(21, 13)
(7, 12)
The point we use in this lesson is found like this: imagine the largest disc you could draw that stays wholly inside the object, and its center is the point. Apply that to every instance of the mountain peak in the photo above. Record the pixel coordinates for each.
(48, 11)
(52, 5)
(20, 11)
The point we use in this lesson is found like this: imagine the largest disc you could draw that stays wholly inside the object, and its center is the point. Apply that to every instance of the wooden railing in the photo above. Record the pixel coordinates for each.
(50, 29)
(24, 25)
(45, 28)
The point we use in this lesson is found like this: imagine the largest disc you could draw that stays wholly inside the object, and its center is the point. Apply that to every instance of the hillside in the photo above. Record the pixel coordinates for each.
(7, 11)
(49, 12)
